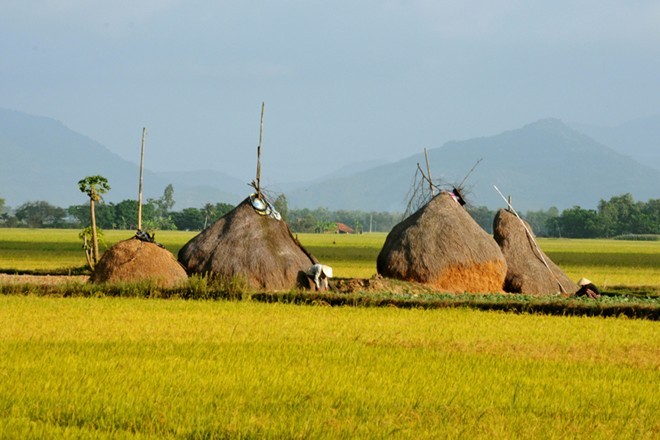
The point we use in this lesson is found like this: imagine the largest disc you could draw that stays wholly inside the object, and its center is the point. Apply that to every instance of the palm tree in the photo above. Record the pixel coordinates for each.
(209, 212)
(94, 187)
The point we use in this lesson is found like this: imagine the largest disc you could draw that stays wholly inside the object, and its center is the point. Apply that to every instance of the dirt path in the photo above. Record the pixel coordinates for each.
(42, 279)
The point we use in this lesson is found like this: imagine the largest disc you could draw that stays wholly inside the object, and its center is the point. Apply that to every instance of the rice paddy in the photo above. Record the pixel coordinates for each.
(118, 368)
(112, 367)
(605, 262)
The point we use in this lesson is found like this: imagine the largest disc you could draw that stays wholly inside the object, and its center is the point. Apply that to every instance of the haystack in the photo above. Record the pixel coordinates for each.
(442, 246)
(251, 245)
(136, 260)
(529, 270)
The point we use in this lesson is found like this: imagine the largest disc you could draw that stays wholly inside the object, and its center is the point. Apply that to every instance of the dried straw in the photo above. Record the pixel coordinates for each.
(135, 260)
(530, 271)
(441, 245)
(244, 244)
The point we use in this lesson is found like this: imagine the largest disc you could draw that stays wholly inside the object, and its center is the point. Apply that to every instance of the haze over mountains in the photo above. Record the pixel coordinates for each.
(543, 164)
(540, 165)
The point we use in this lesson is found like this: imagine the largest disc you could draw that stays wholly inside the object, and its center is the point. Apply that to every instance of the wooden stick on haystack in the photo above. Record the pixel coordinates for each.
(261, 131)
(139, 222)
(428, 170)
(538, 252)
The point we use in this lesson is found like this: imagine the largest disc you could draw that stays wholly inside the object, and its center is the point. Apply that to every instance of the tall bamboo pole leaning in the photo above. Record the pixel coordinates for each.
(539, 253)
(261, 131)
(139, 225)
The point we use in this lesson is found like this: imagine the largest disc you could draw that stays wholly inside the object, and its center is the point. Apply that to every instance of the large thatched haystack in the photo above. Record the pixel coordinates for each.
(135, 260)
(441, 245)
(526, 271)
(251, 246)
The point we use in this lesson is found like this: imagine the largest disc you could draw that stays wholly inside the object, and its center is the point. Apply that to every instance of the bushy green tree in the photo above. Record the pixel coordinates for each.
(282, 206)
(222, 209)
(619, 215)
(580, 223)
(40, 214)
(483, 216)
(160, 209)
(189, 219)
(543, 222)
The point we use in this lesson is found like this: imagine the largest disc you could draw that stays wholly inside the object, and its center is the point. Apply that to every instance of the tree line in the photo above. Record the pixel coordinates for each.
(621, 215)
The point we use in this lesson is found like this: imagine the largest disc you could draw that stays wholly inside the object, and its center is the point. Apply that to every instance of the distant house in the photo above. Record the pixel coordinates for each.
(343, 228)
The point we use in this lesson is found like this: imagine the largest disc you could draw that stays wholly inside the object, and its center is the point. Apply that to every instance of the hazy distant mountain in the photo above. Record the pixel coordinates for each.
(41, 159)
(195, 188)
(639, 139)
(540, 165)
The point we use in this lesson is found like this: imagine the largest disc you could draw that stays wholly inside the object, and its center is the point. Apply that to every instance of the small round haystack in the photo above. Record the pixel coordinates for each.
(134, 260)
(526, 271)
(245, 244)
(441, 245)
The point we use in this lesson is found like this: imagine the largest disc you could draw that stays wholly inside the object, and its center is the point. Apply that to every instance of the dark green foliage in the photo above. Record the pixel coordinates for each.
(41, 214)
(619, 217)
(322, 219)
(483, 216)
(189, 219)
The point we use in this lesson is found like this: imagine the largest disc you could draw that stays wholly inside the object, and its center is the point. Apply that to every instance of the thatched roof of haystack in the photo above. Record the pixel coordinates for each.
(246, 244)
(527, 273)
(441, 245)
(135, 260)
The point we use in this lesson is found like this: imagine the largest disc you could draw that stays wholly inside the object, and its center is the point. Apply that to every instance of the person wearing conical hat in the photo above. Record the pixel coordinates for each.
(587, 288)
(320, 273)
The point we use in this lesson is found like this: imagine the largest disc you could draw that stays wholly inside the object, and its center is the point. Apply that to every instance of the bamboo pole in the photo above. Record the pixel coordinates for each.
(531, 237)
(139, 220)
(428, 170)
(261, 130)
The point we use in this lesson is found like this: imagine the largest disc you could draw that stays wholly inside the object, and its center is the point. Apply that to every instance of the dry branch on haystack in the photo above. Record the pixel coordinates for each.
(442, 246)
(140, 258)
(424, 188)
(529, 270)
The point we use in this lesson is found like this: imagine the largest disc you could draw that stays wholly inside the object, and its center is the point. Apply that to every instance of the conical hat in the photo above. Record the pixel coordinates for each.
(583, 282)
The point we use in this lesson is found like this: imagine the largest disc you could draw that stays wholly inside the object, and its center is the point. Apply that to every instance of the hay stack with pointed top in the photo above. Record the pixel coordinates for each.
(526, 271)
(134, 260)
(256, 248)
(442, 246)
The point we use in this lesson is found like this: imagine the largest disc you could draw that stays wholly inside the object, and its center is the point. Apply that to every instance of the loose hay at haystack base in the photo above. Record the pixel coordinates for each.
(246, 244)
(442, 246)
(526, 271)
(135, 260)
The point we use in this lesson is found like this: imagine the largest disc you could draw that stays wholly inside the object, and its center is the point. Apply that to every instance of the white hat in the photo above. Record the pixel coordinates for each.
(583, 282)
(327, 270)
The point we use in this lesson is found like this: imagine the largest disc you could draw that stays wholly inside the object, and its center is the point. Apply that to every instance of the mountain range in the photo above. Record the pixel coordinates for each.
(543, 164)
(43, 160)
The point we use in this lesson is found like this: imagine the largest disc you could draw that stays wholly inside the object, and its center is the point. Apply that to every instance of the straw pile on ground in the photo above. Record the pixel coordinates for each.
(134, 260)
(526, 271)
(255, 248)
(442, 246)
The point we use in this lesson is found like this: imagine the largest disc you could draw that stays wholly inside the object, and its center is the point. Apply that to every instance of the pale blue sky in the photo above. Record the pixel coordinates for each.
(343, 81)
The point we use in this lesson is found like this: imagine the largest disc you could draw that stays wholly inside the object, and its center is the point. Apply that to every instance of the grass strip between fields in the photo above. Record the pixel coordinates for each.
(637, 303)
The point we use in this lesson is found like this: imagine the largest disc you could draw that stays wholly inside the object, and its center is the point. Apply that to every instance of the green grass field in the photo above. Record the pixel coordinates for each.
(605, 262)
(136, 368)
